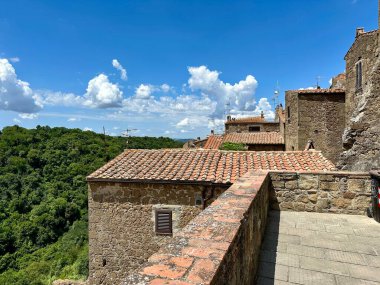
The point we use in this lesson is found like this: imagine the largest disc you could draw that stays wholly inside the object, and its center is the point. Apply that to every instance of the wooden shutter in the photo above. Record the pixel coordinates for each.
(164, 225)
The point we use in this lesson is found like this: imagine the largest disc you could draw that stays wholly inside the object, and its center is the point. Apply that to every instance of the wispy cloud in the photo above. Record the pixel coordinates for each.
(28, 116)
(14, 59)
(118, 66)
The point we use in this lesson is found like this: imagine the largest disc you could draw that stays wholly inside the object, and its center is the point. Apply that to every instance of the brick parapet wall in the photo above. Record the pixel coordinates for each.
(219, 246)
(332, 192)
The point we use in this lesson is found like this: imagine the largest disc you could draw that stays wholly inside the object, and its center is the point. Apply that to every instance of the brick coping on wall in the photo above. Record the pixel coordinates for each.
(324, 172)
(195, 254)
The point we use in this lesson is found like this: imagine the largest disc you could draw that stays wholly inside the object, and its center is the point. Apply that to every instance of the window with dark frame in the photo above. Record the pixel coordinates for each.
(164, 222)
(359, 75)
(253, 129)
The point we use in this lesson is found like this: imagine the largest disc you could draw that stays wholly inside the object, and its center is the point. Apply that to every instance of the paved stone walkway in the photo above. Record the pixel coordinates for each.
(315, 248)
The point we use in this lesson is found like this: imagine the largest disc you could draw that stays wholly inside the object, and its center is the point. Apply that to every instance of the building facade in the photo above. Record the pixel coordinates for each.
(250, 125)
(316, 115)
(361, 138)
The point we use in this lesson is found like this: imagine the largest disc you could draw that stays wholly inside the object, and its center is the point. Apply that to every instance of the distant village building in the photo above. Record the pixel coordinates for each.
(250, 125)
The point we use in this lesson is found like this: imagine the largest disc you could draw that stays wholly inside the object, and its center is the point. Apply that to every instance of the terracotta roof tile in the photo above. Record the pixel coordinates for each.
(213, 166)
(213, 142)
(254, 138)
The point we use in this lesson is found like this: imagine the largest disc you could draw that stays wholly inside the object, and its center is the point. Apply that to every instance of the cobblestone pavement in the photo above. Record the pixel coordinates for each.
(316, 248)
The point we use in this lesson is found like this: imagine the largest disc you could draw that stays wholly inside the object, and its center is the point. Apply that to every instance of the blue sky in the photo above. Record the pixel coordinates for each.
(166, 67)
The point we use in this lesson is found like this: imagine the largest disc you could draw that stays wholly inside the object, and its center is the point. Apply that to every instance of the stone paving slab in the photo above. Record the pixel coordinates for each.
(318, 248)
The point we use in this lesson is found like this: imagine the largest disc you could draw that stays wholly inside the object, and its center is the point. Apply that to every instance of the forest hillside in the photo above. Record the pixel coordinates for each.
(43, 199)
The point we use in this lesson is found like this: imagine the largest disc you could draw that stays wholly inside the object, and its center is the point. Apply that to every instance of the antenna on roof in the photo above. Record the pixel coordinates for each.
(126, 134)
(228, 108)
(276, 94)
(319, 81)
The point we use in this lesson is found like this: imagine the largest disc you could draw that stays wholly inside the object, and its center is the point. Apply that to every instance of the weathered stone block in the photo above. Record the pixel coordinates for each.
(292, 184)
(278, 184)
(327, 177)
(349, 195)
(299, 206)
(342, 202)
(303, 198)
(313, 198)
(329, 186)
(322, 204)
(307, 182)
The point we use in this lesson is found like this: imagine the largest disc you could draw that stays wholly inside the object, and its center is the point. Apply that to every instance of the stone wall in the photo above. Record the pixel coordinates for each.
(333, 192)
(361, 137)
(220, 246)
(291, 118)
(321, 119)
(363, 49)
(244, 127)
(121, 223)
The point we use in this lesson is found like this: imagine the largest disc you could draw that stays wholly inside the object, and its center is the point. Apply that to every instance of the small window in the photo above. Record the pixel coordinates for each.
(254, 129)
(288, 114)
(164, 223)
(198, 200)
(359, 75)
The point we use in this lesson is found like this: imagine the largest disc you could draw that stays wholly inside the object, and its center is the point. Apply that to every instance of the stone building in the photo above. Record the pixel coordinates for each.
(317, 115)
(250, 125)
(139, 199)
(361, 139)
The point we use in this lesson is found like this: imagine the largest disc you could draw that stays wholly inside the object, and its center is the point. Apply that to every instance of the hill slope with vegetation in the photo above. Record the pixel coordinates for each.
(43, 199)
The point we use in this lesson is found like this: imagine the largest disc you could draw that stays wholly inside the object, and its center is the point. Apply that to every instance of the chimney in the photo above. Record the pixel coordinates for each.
(359, 31)
(198, 138)
(212, 132)
(228, 118)
(262, 114)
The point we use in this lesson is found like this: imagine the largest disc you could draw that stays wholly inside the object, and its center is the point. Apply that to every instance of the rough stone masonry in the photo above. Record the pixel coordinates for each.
(361, 137)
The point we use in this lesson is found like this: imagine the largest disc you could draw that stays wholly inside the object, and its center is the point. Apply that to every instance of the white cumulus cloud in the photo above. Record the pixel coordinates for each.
(101, 93)
(165, 88)
(144, 91)
(15, 94)
(118, 66)
(238, 96)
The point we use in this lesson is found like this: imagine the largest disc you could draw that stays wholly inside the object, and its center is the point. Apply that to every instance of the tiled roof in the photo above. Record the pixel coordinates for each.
(258, 119)
(320, 91)
(255, 138)
(212, 166)
(213, 142)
